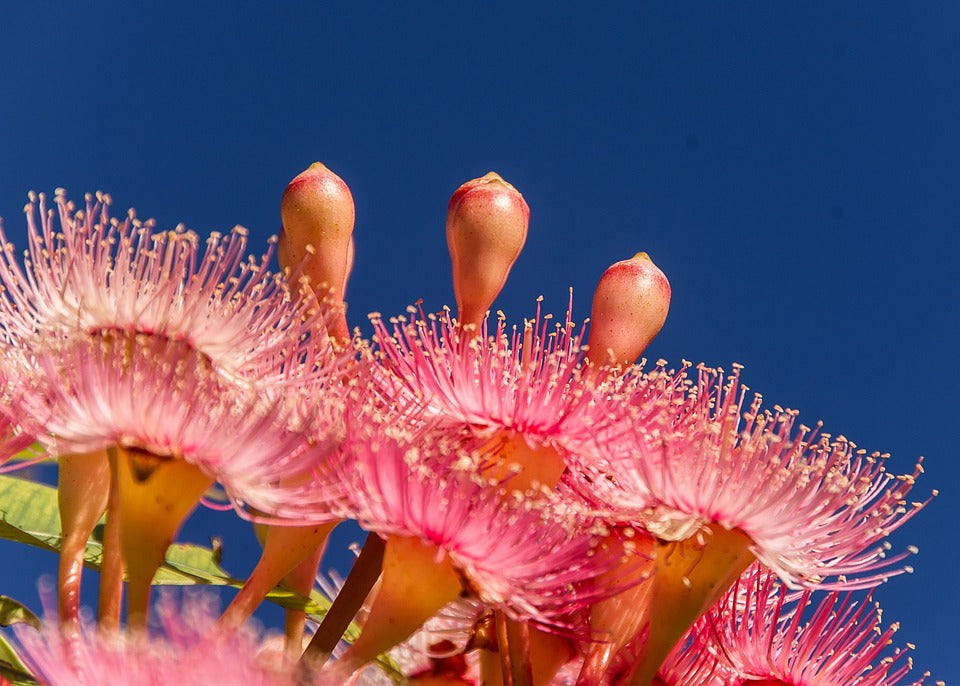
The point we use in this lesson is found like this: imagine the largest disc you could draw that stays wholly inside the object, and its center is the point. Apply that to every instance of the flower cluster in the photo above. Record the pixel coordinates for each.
(541, 509)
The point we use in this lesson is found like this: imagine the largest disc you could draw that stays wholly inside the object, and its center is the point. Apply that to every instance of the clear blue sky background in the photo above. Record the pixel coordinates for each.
(793, 168)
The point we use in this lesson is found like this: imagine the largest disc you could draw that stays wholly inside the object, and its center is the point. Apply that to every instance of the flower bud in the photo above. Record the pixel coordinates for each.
(318, 214)
(486, 227)
(629, 308)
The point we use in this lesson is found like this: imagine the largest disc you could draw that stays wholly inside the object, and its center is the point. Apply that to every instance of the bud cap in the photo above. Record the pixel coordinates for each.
(629, 308)
(486, 228)
(318, 214)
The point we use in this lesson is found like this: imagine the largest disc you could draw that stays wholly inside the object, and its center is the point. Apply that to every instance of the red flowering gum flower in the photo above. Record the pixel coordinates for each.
(763, 636)
(526, 556)
(814, 510)
(151, 344)
(168, 426)
(448, 534)
(719, 487)
(521, 381)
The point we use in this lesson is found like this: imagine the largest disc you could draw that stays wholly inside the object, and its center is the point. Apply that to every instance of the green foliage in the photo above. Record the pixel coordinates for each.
(28, 514)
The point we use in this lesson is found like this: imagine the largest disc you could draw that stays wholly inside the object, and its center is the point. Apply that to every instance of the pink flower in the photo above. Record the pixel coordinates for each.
(815, 509)
(528, 556)
(145, 353)
(532, 557)
(521, 399)
(119, 335)
(186, 652)
(760, 634)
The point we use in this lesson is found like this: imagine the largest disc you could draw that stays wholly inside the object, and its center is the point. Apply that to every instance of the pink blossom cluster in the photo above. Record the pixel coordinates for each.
(541, 508)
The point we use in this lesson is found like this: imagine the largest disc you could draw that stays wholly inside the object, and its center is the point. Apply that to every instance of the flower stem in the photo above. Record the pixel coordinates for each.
(82, 492)
(111, 563)
(284, 547)
(366, 570)
(301, 580)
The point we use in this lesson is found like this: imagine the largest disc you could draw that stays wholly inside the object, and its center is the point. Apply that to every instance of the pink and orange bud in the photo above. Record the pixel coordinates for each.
(629, 308)
(486, 228)
(318, 214)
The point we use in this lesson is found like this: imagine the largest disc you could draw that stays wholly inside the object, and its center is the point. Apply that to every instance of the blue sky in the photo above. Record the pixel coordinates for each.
(792, 169)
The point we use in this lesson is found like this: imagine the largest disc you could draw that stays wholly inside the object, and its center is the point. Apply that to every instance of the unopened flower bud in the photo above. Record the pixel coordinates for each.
(486, 228)
(318, 214)
(629, 308)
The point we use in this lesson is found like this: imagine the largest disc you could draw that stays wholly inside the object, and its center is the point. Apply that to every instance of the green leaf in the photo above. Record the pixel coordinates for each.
(11, 667)
(13, 612)
(28, 513)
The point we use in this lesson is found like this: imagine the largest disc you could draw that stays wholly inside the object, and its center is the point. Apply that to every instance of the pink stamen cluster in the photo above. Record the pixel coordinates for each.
(524, 381)
(760, 632)
(96, 274)
(816, 509)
